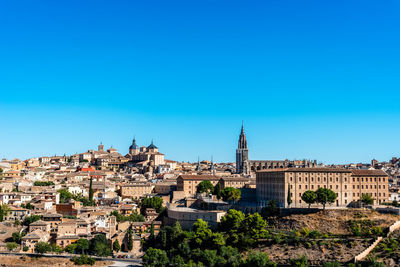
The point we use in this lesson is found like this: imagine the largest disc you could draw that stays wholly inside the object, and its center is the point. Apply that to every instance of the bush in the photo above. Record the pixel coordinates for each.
(11, 246)
(83, 260)
(299, 262)
(25, 248)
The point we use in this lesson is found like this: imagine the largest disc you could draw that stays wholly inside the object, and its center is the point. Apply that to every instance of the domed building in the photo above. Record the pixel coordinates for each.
(145, 158)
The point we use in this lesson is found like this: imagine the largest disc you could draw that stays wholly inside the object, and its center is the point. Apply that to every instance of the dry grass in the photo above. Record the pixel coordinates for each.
(22, 261)
(333, 221)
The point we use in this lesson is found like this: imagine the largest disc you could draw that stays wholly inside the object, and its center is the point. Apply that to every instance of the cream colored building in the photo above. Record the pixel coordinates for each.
(136, 190)
(188, 183)
(349, 185)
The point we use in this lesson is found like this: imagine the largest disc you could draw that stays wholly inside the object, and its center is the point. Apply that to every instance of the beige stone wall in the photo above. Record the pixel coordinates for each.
(348, 187)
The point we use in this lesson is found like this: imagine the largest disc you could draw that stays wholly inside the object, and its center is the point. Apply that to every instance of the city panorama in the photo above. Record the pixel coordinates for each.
(200, 133)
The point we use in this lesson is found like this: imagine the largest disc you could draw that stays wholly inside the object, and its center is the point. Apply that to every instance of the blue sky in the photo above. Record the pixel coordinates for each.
(311, 79)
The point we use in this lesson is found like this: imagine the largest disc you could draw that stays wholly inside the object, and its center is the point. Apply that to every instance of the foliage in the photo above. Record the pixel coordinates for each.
(204, 247)
(30, 219)
(71, 248)
(217, 191)
(25, 248)
(11, 246)
(66, 196)
(151, 202)
(116, 246)
(91, 189)
(99, 245)
(155, 258)
(299, 262)
(16, 237)
(134, 217)
(4, 211)
(366, 199)
(325, 196)
(331, 264)
(56, 248)
(310, 197)
(259, 259)
(231, 194)
(205, 187)
(43, 183)
(271, 209)
(28, 206)
(130, 238)
(82, 245)
(364, 228)
(42, 247)
(83, 260)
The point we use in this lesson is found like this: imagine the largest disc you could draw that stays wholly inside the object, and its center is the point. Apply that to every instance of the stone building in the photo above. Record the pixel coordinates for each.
(349, 185)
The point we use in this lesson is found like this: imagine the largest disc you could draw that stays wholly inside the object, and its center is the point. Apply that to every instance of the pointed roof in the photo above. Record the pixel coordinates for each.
(152, 146)
(134, 145)
(242, 139)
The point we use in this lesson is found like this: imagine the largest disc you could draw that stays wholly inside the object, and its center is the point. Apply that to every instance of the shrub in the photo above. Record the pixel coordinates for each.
(83, 260)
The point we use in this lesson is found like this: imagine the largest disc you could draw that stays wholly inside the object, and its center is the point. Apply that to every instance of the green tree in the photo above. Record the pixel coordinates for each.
(231, 194)
(4, 211)
(91, 190)
(130, 238)
(299, 262)
(65, 195)
(16, 237)
(325, 196)
(82, 245)
(83, 260)
(202, 233)
(310, 197)
(116, 246)
(205, 187)
(155, 258)
(30, 219)
(100, 246)
(11, 246)
(289, 196)
(231, 221)
(366, 199)
(271, 209)
(71, 248)
(151, 202)
(258, 259)
(42, 247)
(217, 191)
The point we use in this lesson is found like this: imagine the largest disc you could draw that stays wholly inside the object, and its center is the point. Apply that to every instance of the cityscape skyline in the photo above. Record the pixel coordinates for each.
(311, 80)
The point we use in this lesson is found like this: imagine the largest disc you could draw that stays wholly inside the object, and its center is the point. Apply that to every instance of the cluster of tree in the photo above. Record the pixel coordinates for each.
(43, 183)
(367, 199)
(98, 245)
(133, 217)
(30, 219)
(83, 260)
(66, 196)
(235, 233)
(28, 206)
(227, 194)
(364, 228)
(151, 202)
(322, 196)
(16, 237)
(4, 211)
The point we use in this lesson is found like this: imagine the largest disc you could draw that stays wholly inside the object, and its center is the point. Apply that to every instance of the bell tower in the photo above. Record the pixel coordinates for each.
(242, 155)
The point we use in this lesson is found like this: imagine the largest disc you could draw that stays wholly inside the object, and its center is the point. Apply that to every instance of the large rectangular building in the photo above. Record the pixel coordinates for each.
(349, 185)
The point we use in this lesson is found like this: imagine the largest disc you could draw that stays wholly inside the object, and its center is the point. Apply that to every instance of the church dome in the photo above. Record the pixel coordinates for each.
(152, 146)
(134, 145)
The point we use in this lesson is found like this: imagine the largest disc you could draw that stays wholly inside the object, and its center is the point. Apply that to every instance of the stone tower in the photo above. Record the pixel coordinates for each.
(133, 149)
(242, 155)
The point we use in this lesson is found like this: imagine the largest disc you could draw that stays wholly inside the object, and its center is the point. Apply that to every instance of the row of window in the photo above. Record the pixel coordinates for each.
(345, 179)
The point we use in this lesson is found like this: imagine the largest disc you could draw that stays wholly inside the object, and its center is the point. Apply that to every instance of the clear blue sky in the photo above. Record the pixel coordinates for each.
(311, 79)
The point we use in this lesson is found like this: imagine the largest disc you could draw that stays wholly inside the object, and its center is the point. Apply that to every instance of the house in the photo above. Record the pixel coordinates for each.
(32, 238)
(17, 214)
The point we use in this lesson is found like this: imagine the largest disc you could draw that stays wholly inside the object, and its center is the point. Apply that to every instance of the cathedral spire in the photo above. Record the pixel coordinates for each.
(242, 154)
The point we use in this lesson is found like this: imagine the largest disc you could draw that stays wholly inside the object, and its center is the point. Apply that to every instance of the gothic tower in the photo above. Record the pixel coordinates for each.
(242, 155)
